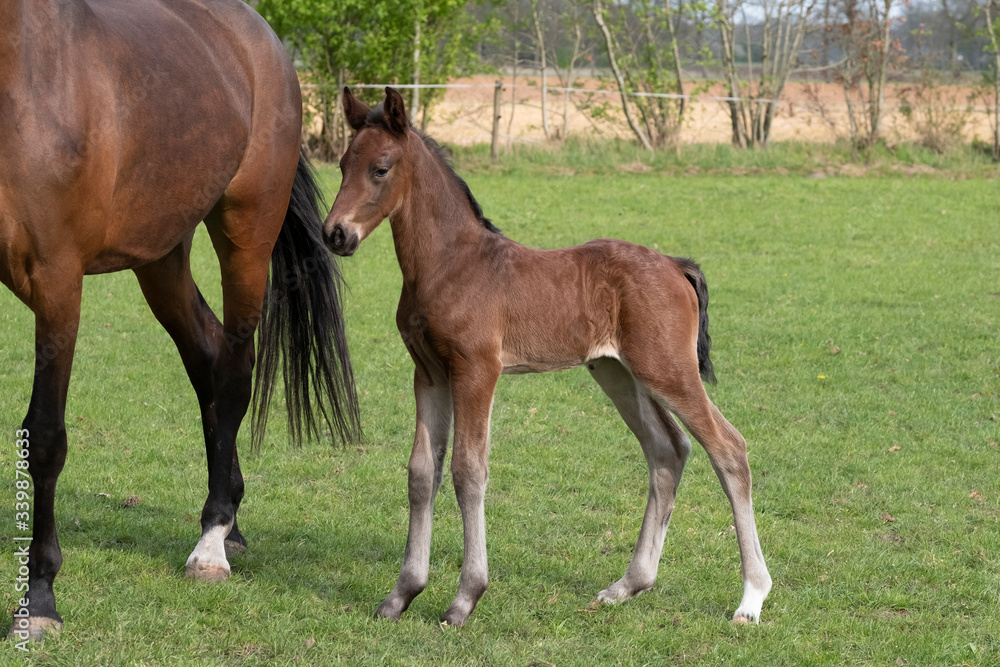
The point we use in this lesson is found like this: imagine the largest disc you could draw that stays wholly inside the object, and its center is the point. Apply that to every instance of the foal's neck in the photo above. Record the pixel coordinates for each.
(435, 225)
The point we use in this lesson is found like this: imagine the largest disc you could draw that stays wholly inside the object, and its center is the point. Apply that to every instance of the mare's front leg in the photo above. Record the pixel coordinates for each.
(43, 439)
(472, 388)
(426, 466)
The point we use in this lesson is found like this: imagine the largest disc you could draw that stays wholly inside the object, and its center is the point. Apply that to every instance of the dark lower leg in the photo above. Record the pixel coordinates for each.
(208, 560)
(43, 447)
(235, 542)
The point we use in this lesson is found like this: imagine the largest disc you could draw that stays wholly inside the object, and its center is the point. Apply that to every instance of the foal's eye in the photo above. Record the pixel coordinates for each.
(380, 173)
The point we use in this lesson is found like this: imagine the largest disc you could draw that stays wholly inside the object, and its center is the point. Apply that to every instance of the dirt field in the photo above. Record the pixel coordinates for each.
(807, 112)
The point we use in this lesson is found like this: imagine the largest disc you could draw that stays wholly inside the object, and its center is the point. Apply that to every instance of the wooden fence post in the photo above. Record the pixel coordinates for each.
(494, 147)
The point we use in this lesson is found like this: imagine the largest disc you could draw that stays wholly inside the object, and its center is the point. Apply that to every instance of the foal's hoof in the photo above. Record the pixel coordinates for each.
(207, 572)
(390, 609)
(745, 618)
(454, 617)
(33, 628)
(607, 596)
(619, 592)
(234, 548)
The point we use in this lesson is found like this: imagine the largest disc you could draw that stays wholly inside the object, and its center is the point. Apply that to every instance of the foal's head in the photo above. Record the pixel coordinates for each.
(376, 171)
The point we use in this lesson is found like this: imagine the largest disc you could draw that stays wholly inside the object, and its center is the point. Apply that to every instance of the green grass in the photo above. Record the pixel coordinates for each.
(849, 317)
(817, 160)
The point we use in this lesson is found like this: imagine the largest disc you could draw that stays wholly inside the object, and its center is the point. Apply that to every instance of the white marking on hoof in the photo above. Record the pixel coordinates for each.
(753, 600)
(208, 560)
(34, 628)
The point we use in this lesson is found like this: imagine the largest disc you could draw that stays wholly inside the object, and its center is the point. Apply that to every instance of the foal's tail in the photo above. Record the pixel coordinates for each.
(302, 319)
(697, 279)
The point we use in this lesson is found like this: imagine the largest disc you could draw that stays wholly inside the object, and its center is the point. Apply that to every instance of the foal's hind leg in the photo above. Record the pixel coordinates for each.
(666, 449)
(426, 467)
(679, 387)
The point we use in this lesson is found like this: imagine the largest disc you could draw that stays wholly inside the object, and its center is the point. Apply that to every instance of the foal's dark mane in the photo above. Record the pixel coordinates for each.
(376, 117)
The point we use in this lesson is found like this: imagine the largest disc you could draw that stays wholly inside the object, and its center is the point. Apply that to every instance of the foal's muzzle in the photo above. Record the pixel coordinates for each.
(342, 241)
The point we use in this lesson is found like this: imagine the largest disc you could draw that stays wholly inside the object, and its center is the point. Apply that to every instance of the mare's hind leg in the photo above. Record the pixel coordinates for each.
(243, 233)
(676, 383)
(177, 304)
(55, 299)
(426, 467)
(666, 449)
(235, 543)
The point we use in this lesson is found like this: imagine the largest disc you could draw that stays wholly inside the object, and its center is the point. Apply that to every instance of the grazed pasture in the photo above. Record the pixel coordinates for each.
(856, 331)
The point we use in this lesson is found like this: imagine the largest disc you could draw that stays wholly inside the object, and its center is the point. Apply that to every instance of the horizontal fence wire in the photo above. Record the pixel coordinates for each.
(597, 91)
(604, 91)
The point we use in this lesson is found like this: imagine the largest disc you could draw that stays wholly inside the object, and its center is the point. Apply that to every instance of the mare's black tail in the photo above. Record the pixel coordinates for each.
(697, 279)
(302, 323)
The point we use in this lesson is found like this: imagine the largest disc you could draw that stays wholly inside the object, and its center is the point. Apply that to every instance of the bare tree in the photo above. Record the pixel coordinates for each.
(537, 14)
(863, 34)
(619, 78)
(991, 11)
(415, 101)
(635, 33)
(755, 97)
(574, 21)
(515, 27)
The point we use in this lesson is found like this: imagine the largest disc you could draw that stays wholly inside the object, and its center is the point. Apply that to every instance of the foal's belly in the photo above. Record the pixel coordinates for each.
(519, 364)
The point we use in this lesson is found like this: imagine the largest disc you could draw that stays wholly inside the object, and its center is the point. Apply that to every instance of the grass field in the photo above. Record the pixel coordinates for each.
(856, 330)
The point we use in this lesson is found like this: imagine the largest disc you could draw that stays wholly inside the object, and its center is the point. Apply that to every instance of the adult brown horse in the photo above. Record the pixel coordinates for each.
(476, 304)
(122, 126)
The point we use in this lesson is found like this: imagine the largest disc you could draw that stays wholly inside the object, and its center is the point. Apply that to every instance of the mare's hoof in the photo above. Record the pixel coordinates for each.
(200, 572)
(743, 618)
(33, 628)
(234, 548)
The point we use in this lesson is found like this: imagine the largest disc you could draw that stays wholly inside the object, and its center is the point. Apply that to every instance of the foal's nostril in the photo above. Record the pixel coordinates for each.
(339, 237)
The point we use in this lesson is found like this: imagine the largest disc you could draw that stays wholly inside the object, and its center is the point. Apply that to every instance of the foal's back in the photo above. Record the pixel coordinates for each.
(562, 308)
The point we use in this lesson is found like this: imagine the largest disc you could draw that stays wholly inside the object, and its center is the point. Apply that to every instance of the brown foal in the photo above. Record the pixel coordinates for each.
(475, 305)
(123, 125)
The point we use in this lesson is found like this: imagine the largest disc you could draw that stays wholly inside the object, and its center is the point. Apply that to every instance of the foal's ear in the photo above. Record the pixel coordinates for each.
(355, 111)
(395, 113)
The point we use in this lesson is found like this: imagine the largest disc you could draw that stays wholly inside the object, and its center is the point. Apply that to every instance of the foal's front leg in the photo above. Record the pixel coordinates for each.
(426, 466)
(472, 389)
